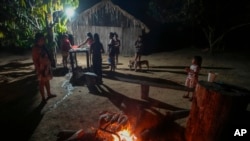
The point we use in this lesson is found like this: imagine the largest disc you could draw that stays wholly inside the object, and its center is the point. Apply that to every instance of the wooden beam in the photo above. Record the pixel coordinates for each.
(174, 86)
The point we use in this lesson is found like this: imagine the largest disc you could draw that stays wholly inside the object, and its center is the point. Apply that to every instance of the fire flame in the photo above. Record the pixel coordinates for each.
(124, 135)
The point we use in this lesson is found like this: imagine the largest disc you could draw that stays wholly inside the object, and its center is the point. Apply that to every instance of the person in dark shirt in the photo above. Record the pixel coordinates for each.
(117, 47)
(138, 48)
(96, 50)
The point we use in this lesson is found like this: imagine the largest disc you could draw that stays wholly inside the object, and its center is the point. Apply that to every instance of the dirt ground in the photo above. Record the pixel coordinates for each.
(24, 117)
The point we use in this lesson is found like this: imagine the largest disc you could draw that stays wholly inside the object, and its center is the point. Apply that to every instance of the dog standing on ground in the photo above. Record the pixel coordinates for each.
(135, 64)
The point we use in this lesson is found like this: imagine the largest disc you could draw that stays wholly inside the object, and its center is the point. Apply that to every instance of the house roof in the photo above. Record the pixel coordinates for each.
(105, 13)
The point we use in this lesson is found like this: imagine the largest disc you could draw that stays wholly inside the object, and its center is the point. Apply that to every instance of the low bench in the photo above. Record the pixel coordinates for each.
(145, 85)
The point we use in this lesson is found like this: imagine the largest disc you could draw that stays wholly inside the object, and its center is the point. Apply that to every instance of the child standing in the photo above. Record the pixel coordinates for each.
(192, 74)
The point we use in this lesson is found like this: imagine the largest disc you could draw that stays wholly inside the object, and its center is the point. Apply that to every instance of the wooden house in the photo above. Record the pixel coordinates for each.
(103, 18)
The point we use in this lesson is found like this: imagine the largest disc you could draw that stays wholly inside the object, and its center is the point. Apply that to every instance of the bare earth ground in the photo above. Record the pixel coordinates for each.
(23, 117)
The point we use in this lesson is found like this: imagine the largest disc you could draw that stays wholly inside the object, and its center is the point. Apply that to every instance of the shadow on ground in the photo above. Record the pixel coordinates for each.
(19, 117)
(147, 122)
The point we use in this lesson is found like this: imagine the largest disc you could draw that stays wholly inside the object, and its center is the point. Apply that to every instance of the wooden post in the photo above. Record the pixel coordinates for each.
(144, 91)
(215, 107)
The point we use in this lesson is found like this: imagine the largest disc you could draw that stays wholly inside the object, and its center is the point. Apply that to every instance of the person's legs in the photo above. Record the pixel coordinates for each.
(112, 63)
(47, 86)
(139, 57)
(136, 56)
(187, 84)
(41, 90)
(116, 58)
(98, 71)
(64, 61)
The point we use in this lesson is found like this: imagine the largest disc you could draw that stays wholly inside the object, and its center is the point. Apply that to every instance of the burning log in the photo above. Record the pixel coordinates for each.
(114, 127)
(113, 121)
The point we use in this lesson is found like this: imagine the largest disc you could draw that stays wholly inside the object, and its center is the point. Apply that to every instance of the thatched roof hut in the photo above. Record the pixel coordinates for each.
(106, 17)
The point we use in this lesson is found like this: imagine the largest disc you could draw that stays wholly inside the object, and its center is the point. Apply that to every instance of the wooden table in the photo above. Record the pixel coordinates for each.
(73, 57)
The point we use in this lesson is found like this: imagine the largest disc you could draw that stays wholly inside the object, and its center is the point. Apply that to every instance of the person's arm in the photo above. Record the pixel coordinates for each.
(117, 43)
(35, 59)
(102, 49)
(85, 42)
(136, 43)
(69, 45)
(197, 71)
(187, 69)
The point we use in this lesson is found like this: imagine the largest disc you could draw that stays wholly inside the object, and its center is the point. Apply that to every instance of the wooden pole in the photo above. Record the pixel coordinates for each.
(144, 91)
(215, 107)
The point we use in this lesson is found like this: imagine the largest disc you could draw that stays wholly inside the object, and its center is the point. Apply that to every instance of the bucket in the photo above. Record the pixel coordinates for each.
(211, 76)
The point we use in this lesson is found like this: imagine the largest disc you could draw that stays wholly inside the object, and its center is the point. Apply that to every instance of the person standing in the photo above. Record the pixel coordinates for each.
(65, 47)
(192, 74)
(138, 48)
(42, 63)
(111, 49)
(96, 49)
(117, 47)
(88, 42)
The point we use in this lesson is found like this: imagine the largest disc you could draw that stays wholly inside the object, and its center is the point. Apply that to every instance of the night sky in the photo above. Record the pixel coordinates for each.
(137, 8)
(173, 34)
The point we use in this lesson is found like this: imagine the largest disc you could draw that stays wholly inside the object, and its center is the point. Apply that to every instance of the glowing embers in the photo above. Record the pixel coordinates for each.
(125, 135)
(114, 127)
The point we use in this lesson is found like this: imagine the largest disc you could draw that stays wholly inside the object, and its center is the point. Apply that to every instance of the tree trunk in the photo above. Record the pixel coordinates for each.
(215, 108)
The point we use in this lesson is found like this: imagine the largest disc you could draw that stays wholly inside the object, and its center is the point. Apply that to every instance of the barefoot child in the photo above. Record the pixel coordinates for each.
(42, 63)
(192, 74)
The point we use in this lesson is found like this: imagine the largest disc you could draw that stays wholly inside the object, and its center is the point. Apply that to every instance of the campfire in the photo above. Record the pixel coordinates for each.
(117, 127)
(114, 127)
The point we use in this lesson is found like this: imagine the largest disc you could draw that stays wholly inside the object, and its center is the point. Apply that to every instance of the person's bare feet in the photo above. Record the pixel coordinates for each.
(51, 96)
(43, 101)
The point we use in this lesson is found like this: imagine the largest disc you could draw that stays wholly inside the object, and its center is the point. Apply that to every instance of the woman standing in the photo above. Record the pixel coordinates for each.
(42, 63)
(117, 47)
(96, 49)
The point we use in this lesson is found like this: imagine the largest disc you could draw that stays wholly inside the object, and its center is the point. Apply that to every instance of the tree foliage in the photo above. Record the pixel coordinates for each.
(215, 18)
(20, 19)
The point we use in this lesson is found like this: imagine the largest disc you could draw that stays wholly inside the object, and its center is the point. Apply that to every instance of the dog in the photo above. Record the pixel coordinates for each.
(135, 64)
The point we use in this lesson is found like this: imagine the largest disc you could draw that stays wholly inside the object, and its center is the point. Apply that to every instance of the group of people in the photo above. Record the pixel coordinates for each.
(42, 60)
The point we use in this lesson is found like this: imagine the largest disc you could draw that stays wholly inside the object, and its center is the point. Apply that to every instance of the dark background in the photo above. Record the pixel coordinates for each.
(172, 36)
